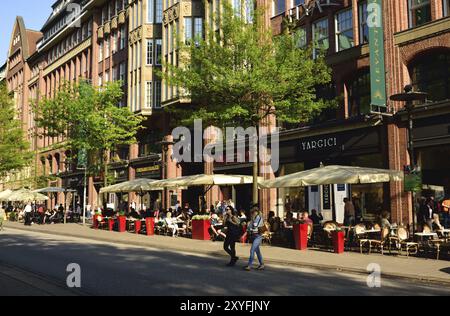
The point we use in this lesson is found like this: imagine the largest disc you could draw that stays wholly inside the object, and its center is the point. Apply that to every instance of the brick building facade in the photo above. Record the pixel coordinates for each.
(127, 40)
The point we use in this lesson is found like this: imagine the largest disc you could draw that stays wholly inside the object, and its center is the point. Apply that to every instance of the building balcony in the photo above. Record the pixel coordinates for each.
(115, 23)
(122, 17)
(100, 32)
(107, 28)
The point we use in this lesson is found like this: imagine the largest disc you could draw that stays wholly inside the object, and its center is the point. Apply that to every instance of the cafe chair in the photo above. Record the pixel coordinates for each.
(379, 243)
(402, 242)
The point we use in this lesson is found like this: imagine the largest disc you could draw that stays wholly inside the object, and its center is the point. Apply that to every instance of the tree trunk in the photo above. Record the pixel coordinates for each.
(256, 170)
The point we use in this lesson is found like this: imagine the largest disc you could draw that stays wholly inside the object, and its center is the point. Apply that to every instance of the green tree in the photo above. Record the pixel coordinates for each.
(90, 121)
(243, 74)
(15, 151)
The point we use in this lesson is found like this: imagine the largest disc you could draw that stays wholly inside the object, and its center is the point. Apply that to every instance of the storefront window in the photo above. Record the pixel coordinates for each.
(293, 199)
(359, 94)
(368, 198)
(430, 73)
(419, 12)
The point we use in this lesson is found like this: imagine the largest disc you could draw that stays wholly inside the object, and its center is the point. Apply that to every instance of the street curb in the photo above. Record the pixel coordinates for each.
(324, 267)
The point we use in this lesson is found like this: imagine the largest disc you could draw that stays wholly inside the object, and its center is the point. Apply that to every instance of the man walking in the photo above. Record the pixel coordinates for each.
(349, 212)
(2, 216)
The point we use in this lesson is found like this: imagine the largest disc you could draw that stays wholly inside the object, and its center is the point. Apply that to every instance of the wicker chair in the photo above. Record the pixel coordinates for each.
(360, 235)
(268, 235)
(402, 242)
(380, 243)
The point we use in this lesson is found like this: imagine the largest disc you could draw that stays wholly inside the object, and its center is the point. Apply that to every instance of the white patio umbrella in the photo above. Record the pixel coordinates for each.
(334, 175)
(26, 195)
(138, 185)
(5, 194)
(204, 180)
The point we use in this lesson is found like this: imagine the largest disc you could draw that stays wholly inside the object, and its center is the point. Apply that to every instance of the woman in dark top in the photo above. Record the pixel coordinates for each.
(234, 232)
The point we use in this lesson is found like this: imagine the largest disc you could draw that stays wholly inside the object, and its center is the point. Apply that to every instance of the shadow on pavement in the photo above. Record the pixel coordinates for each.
(118, 270)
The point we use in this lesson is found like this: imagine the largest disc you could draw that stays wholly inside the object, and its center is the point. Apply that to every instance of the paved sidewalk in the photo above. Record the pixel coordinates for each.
(428, 270)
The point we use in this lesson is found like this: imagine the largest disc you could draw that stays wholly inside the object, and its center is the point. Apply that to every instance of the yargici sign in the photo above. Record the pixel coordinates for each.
(318, 144)
(309, 7)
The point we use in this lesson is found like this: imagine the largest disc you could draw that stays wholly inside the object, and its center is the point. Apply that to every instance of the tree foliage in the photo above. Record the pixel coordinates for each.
(89, 120)
(243, 74)
(15, 151)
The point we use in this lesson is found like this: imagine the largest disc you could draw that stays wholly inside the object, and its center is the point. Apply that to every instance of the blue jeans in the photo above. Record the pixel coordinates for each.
(446, 220)
(256, 249)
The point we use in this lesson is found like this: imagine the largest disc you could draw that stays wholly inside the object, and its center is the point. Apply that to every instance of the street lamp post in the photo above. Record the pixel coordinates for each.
(409, 97)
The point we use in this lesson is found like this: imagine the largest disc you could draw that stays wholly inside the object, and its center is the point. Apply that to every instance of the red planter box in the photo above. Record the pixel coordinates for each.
(95, 222)
(137, 226)
(150, 225)
(338, 242)
(111, 222)
(200, 230)
(301, 236)
(122, 224)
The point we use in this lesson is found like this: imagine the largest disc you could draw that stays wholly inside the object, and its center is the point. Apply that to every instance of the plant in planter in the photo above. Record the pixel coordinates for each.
(200, 227)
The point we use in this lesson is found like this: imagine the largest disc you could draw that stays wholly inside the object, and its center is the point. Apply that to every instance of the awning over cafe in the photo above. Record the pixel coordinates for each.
(204, 180)
(333, 175)
(138, 185)
(5, 194)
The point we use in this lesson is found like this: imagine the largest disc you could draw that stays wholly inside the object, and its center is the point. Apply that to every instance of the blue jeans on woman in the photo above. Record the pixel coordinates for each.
(256, 249)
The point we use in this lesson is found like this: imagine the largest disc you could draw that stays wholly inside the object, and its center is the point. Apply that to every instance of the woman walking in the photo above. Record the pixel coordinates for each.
(234, 232)
(255, 230)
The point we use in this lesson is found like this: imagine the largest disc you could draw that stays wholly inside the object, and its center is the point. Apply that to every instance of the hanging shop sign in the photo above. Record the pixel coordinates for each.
(376, 45)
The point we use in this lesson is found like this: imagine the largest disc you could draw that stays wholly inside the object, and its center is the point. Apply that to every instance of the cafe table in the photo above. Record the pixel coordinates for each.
(425, 235)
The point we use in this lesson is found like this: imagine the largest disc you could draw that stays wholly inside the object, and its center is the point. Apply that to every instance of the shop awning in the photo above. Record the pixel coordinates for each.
(334, 175)
(138, 185)
(53, 190)
(5, 194)
(204, 180)
(25, 195)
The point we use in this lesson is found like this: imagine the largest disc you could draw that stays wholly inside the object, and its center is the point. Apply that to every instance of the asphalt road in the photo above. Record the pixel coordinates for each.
(35, 264)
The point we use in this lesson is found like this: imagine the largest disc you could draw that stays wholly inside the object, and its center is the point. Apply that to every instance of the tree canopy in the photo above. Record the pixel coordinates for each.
(89, 119)
(243, 74)
(15, 151)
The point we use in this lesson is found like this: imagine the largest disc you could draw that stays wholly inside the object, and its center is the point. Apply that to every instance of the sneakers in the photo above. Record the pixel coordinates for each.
(260, 268)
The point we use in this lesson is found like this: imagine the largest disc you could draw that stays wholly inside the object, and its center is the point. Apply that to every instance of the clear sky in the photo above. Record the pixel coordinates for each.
(34, 13)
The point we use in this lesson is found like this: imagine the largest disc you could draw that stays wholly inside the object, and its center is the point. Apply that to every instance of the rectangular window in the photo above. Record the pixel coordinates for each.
(446, 7)
(278, 7)
(123, 38)
(198, 29)
(301, 38)
(158, 56)
(148, 94)
(159, 11)
(151, 11)
(320, 36)
(114, 42)
(419, 12)
(188, 29)
(363, 27)
(100, 51)
(344, 30)
(107, 47)
(114, 74)
(149, 52)
(122, 72)
(100, 80)
(157, 102)
(107, 76)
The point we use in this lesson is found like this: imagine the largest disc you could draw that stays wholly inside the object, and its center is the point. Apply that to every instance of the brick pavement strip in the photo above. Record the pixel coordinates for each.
(416, 269)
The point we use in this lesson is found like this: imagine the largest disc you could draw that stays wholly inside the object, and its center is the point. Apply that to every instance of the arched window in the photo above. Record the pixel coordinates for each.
(359, 94)
(430, 73)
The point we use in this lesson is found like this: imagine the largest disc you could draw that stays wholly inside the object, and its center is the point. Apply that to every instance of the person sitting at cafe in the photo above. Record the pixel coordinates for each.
(385, 220)
(304, 219)
(316, 217)
(134, 214)
(216, 227)
(184, 222)
(171, 224)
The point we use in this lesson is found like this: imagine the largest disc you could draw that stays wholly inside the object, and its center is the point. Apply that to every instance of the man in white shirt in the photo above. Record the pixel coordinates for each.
(27, 210)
